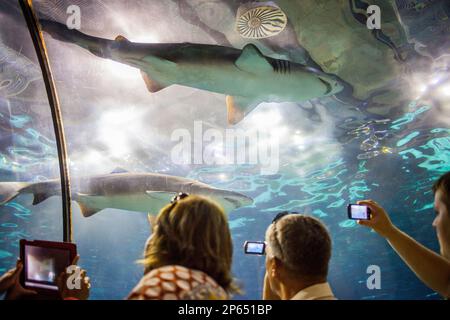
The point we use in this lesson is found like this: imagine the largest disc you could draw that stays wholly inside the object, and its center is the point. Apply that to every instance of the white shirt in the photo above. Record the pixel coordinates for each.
(320, 291)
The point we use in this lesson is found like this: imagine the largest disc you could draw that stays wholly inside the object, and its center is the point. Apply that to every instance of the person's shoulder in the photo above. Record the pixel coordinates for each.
(318, 291)
(204, 287)
(176, 282)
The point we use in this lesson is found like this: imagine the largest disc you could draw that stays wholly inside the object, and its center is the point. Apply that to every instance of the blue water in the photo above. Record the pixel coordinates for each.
(331, 155)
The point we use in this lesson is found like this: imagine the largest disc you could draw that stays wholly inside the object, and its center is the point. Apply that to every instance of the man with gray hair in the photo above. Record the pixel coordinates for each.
(297, 257)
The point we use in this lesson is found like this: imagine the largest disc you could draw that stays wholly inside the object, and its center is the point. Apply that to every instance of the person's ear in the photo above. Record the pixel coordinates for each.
(278, 267)
(269, 265)
(275, 267)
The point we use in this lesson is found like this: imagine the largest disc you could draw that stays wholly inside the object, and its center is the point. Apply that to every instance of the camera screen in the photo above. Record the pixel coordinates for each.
(255, 248)
(44, 265)
(359, 212)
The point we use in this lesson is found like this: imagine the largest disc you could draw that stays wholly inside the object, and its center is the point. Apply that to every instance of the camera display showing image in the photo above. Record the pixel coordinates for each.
(358, 212)
(255, 247)
(43, 265)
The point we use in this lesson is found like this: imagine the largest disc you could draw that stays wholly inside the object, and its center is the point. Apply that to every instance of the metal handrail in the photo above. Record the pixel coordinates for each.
(41, 51)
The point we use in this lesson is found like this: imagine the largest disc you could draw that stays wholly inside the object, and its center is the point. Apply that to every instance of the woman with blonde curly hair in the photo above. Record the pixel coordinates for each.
(189, 254)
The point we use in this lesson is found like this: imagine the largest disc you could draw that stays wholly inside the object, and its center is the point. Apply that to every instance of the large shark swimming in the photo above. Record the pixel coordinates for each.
(141, 192)
(246, 76)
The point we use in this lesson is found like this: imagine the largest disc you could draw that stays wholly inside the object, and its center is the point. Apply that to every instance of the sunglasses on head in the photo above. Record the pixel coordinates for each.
(179, 196)
(259, 247)
(175, 199)
(282, 214)
(275, 232)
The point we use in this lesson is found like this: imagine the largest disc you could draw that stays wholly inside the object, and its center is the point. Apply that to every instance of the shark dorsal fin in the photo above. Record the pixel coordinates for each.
(252, 60)
(121, 38)
(119, 170)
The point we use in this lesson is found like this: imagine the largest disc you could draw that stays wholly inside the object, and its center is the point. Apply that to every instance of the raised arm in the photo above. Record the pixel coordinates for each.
(429, 266)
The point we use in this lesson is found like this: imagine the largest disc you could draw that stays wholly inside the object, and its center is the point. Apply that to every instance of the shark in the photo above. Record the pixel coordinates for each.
(246, 76)
(140, 192)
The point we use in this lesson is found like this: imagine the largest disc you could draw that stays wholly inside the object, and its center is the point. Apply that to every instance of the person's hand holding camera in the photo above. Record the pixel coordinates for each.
(74, 285)
(10, 283)
(379, 221)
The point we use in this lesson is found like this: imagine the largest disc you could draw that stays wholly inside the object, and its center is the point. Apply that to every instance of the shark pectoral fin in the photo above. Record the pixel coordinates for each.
(152, 85)
(160, 195)
(234, 112)
(238, 108)
(87, 211)
(252, 60)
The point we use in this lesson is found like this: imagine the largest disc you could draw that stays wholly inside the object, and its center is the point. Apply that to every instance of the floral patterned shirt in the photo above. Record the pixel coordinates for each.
(177, 283)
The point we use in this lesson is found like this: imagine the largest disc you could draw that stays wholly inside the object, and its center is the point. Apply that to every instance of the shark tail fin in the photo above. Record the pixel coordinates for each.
(238, 108)
(10, 190)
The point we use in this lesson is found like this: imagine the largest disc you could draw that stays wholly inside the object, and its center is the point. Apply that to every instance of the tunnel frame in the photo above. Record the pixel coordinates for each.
(50, 87)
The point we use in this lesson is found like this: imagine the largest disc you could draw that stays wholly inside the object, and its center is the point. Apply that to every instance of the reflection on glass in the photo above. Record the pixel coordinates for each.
(382, 132)
(27, 144)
